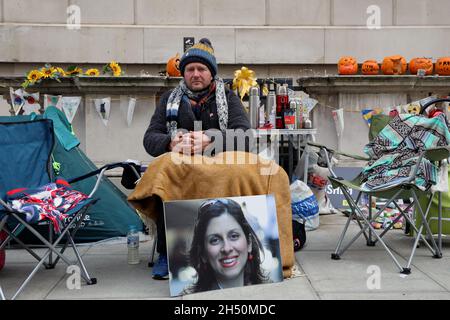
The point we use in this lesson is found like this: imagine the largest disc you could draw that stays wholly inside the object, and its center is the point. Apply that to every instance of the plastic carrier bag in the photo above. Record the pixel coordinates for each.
(317, 179)
(305, 208)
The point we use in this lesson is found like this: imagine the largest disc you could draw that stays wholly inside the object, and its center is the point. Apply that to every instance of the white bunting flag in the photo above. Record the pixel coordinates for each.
(17, 101)
(338, 117)
(70, 106)
(29, 108)
(52, 101)
(103, 107)
(22, 100)
(130, 112)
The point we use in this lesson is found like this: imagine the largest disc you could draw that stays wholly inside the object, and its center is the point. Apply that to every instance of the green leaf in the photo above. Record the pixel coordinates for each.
(25, 84)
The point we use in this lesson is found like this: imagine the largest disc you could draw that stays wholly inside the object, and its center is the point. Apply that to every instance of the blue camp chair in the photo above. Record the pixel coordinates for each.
(25, 160)
(405, 189)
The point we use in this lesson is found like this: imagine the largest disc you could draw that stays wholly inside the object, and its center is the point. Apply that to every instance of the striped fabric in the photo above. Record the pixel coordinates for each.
(396, 149)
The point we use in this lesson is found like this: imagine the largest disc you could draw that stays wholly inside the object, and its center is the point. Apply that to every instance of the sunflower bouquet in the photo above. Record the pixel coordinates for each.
(36, 76)
(112, 68)
(47, 72)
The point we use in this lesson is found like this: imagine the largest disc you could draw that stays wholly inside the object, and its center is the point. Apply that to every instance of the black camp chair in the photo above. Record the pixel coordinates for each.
(402, 190)
(25, 161)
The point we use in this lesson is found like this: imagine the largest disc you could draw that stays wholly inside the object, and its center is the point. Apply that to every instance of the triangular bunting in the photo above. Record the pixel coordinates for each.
(24, 101)
(130, 111)
(368, 113)
(17, 101)
(70, 106)
(338, 117)
(103, 107)
(30, 108)
(52, 101)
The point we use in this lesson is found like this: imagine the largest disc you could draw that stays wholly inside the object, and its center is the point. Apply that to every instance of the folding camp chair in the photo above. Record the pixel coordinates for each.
(406, 189)
(25, 162)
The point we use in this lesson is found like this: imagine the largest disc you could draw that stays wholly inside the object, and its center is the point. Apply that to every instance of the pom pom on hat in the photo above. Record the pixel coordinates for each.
(201, 52)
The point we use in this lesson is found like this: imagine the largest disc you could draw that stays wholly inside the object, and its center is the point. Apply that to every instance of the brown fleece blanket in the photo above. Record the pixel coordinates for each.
(173, 176)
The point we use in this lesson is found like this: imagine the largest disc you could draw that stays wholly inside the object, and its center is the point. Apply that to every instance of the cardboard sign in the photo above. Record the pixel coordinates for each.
(335, 195)
(188, 42)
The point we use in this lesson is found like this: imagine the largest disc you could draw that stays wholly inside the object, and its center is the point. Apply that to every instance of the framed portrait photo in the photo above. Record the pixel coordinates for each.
(222, 243)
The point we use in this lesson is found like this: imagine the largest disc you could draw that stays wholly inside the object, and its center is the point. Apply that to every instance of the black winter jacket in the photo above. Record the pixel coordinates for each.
(157, 139)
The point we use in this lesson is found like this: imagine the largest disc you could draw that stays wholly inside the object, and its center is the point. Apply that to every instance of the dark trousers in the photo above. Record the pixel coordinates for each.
(161, 247)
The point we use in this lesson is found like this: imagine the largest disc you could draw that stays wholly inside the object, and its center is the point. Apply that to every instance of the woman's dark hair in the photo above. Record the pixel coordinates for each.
(212, 209)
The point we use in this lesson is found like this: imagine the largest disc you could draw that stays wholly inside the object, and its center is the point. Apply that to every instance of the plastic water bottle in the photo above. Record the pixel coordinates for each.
(133, 245)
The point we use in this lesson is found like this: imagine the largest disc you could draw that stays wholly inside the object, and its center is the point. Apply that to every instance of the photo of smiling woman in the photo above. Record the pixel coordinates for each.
(226, 246)
(225, 250)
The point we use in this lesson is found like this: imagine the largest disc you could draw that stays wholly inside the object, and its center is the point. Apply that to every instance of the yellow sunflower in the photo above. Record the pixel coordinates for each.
(34, 75)
(61, 71)
(74, 71)
(92, 72)
(115, 68)
(47, 72)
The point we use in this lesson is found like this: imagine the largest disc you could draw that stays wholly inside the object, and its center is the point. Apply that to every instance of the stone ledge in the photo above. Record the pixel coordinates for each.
(373, 84)
(94, 85)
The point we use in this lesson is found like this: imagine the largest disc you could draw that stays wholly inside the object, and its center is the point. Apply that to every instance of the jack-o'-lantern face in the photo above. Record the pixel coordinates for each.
(421, 63)
(347, 65)
(414, 109)
(172, 67)
(370, 67)
(443, 66)
(394, 65)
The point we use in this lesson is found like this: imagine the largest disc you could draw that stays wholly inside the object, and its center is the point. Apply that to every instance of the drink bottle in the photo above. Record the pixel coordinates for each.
(282, 106)
(133, 245)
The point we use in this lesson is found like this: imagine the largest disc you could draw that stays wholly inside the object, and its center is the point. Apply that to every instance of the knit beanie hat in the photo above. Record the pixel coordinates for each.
(202, 52)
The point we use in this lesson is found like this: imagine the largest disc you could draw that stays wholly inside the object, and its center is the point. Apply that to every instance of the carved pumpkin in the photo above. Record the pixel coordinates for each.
(393, 113)
(347, 65)
(434, 113)
(370, 67)
(413, 108)
(394, 65)
(421, 63)
(443, 66)
(172, 67)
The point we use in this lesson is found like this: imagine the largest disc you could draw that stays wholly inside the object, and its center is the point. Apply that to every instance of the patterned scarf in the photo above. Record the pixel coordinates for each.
(173, 104)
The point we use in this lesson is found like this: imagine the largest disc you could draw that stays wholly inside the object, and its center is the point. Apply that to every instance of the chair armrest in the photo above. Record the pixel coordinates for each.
(329, 150)
(105, 168)
(437, 154)
(102, 170)
(353, 156)
(432, 154)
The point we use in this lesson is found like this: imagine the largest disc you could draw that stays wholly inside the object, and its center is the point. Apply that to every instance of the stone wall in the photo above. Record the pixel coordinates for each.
(293, 32)
(117, 141)
(276, 38)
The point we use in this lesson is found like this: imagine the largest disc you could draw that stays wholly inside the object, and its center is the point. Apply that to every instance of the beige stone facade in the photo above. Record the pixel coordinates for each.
(276, 38)
(261, 32)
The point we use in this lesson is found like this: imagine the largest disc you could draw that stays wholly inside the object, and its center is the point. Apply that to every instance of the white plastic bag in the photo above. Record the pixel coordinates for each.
(318, 181)
(442, 183)
(305, 208)
(325, 205)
